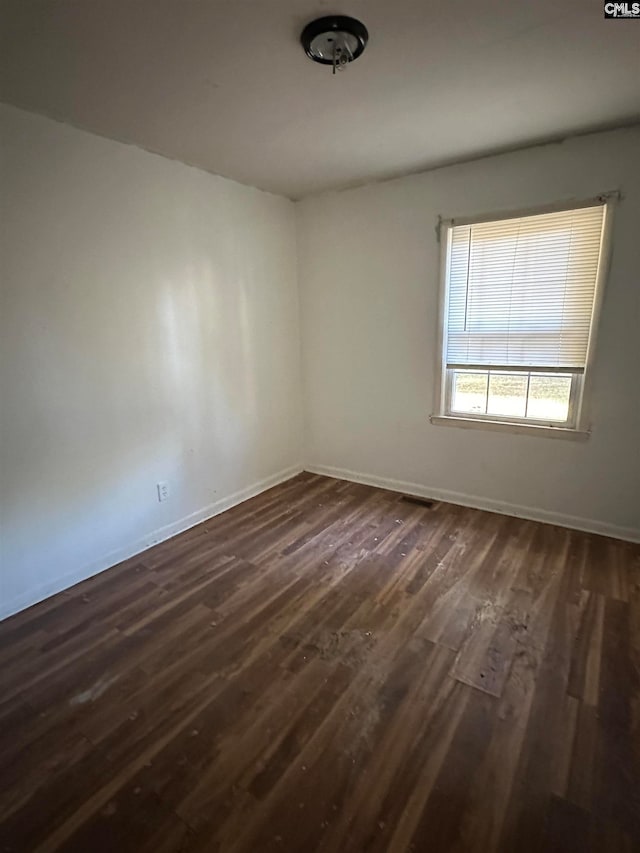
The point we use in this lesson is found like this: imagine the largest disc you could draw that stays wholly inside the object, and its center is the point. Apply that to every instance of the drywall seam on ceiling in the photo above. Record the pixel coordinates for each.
(572, 522)
(628, 124)
(84, 129)
(130, 550)
(364, 182)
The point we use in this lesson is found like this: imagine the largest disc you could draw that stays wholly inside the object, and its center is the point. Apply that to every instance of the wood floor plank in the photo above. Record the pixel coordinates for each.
(328, 668)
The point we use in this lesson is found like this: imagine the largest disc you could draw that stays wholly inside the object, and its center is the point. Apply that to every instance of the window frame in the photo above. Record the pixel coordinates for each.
(577, 381)
(578, 424)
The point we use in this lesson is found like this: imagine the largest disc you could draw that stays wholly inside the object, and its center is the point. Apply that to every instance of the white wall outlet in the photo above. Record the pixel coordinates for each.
(163, 491)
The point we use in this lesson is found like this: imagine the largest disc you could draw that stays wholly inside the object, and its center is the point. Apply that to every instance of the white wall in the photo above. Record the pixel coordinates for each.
(368, 261)
(148, 331)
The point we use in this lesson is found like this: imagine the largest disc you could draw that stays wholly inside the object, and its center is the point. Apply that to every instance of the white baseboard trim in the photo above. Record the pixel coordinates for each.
(573, 522)
(116, 556)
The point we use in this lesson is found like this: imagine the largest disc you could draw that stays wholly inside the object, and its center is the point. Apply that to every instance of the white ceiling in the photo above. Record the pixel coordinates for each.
(225, 85)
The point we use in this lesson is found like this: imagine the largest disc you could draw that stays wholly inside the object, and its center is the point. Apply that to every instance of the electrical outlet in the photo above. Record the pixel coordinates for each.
(163, 491)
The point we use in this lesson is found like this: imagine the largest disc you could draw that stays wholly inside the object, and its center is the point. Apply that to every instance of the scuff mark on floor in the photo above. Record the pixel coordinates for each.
(94, 692)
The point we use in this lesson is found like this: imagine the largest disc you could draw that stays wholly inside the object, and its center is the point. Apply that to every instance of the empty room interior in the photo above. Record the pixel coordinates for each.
(319, 426)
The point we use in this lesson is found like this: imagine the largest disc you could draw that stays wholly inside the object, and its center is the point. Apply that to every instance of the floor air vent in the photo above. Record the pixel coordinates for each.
(413, 499)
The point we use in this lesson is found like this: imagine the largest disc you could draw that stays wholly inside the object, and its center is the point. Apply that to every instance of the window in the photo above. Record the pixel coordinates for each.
(520, 298)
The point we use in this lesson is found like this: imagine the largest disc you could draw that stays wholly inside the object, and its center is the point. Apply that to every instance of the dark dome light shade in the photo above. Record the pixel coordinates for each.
(335, 40)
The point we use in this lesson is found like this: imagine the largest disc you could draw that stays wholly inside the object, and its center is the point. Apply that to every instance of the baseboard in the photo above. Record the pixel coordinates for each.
(116, 556)
(573, 522)
(68, 580)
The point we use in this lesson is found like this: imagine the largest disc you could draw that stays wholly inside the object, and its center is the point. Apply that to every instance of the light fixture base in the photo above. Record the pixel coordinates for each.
(334, 40)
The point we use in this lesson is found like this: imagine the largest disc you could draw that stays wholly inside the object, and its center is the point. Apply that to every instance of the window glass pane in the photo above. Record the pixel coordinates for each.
(549, 397)
(469, 392)
(507, 394)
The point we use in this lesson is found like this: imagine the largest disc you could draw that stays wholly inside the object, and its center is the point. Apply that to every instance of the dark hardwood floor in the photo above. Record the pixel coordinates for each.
(330, 668)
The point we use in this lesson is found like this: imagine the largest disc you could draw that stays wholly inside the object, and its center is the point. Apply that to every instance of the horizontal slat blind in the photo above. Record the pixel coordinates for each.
(521, 290)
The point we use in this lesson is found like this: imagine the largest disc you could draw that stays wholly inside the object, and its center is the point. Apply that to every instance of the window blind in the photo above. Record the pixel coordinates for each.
(521, 291)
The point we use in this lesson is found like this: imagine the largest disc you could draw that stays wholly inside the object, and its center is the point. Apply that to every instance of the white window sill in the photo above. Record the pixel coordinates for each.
(505, 426)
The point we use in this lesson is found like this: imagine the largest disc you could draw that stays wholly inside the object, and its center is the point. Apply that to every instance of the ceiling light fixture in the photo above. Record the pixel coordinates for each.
(336, 40)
